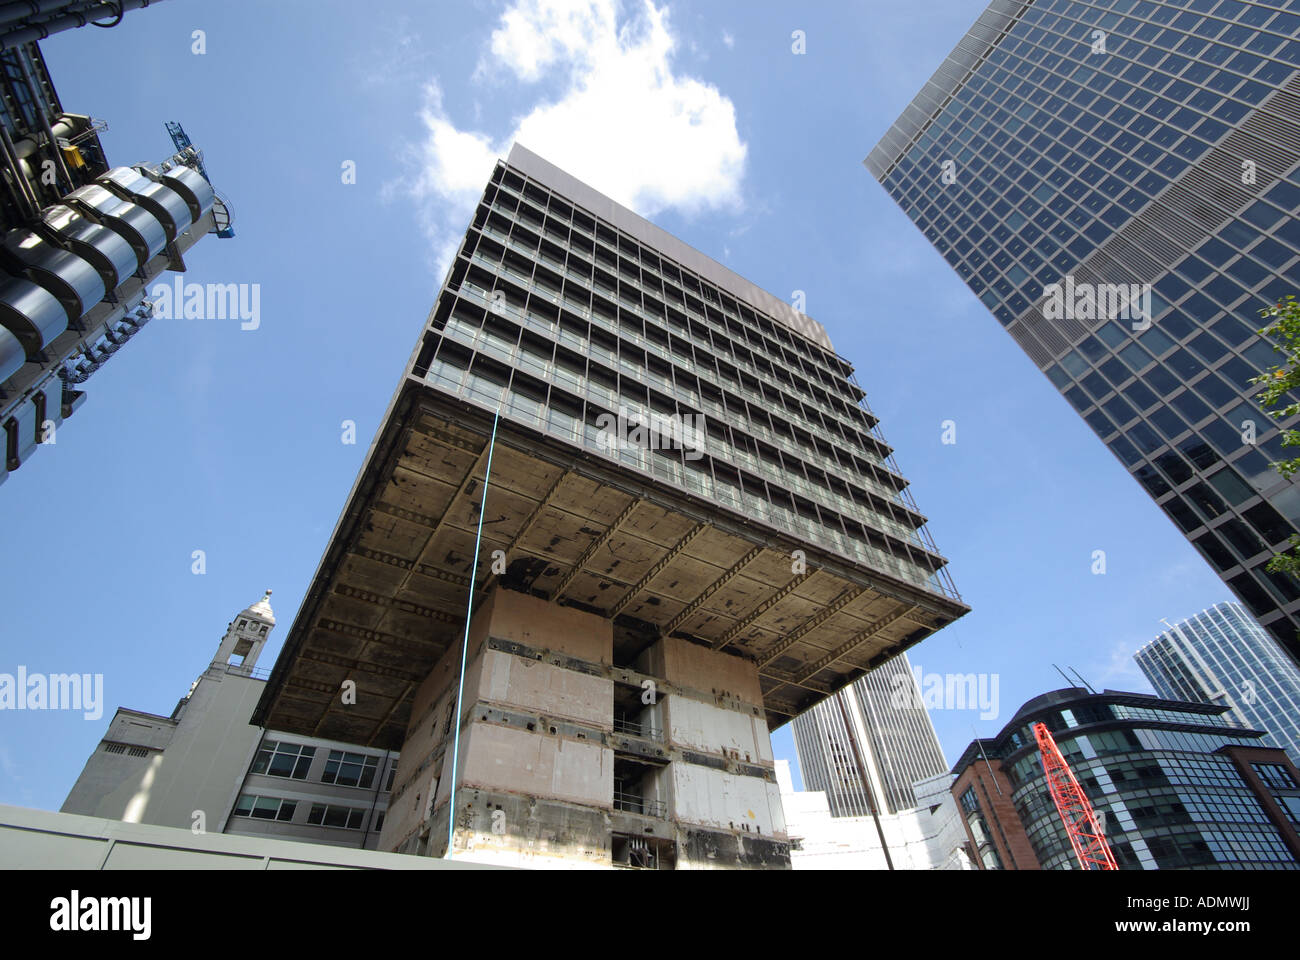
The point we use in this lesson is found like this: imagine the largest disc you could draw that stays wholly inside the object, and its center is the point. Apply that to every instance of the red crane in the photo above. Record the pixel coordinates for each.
(1072, 804)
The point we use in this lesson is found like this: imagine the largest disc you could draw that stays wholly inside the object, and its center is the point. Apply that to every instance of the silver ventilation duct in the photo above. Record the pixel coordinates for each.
(73, 281)
(31, 313)
(138, 226)
(106, 251)
(191, 185)
(168, 206)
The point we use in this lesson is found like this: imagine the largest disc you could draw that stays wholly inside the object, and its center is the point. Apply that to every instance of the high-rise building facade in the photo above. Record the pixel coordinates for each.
(1176, 785)
(80, 242)
(1222, 656)
(1118, 182)
(877, 727)
(691, 531)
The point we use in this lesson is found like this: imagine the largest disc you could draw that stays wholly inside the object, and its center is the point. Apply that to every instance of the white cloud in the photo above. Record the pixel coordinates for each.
(455, 163)
(729, 40)
(624, 121)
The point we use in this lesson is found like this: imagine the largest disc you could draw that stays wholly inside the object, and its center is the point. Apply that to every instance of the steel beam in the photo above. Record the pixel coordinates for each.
(849, 646)
(592, 547)
(657, 569)
(761, 609)
(710, 590)
(844, 599)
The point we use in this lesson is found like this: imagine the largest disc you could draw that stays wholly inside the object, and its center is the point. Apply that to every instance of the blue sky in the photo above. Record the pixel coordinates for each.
(203, 436)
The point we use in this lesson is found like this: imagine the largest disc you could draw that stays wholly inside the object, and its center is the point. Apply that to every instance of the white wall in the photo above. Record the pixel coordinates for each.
(201, 768)
(917, 839)
(40, 840)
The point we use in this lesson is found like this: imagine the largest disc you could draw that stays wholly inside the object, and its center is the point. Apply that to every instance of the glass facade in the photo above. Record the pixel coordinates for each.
(1222, 656)
(1106, 151)
(888, 728)
(562, 320)
(1167, 795)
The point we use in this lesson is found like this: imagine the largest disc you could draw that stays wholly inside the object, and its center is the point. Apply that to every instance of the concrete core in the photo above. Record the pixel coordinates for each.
(568, 759)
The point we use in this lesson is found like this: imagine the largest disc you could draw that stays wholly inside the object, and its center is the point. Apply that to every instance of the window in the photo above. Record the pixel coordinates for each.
(265, 808)
(290, 760)
(1275, 775)
(349, 770)
(329, 815)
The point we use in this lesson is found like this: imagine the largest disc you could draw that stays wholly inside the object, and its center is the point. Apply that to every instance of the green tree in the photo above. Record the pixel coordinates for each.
(1284, 329)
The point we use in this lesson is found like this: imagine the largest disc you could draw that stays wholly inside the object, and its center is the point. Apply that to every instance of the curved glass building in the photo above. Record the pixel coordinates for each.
(1222, 656)
(1176, 785)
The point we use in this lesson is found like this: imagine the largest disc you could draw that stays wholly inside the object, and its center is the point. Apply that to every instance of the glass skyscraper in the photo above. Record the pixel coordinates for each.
(877, 725)
(1222, 656)
(1071, 156)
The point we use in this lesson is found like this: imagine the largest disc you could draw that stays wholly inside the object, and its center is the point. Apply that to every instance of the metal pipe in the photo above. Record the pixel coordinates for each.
(374, 801)
(20, 198)
(30, 32)
(862, 775)
(464, 650)
(22, 10)
(44, 117)
(25, 188)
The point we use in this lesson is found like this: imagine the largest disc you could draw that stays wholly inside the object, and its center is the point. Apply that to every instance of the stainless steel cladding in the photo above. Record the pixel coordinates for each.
(74, 281)
(12, 354)
(106, 250)
(159, 199)
(138, 226)
(31, 313)
(191, 185)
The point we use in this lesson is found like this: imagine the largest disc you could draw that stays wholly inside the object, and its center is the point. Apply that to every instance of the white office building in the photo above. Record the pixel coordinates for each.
(206, 768)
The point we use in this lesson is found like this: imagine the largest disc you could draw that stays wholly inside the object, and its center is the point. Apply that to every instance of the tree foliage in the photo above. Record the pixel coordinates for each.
(1284, 329)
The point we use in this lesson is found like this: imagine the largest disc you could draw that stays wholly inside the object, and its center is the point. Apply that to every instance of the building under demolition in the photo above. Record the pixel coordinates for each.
(621, 621)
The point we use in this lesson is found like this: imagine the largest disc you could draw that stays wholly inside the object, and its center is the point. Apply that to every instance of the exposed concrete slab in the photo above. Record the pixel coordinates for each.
(389, 598)
(534, 764)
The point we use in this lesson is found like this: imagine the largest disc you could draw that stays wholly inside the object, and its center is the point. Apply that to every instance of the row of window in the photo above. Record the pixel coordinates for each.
(128, 750)
(912, 559)
(554, 267)
(342, 768)
(615, 392)
(654, 331)
(634, 380)
(641, 373)
(552, 213)
(282, 809)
